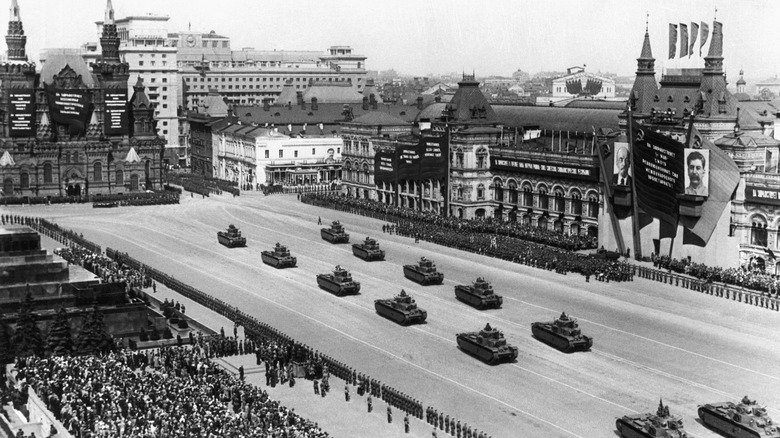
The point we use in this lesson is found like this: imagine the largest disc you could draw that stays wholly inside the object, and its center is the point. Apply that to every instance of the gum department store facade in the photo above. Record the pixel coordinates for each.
(69, 129)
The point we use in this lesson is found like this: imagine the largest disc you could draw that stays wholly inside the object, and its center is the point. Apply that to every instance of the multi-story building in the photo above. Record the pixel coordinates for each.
(578, 84)
(70, 130)
(249, 77)
(150, 55)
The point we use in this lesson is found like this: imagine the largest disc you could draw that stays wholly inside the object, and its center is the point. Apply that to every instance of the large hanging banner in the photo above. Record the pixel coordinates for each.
(385, 164)
(115, 120)
(409, 157)
(22, 113)
(658, 173)
(69, 107)
(433, 164)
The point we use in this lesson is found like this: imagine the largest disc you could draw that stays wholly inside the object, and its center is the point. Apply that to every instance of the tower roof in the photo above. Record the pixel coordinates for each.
(14, 9)
(647, 53)
(109, 18)
(469, 104)
(716, 43)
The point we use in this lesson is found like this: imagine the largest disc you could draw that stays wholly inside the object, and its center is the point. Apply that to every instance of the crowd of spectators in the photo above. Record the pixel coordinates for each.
(492, 238)
(747, 277)
(171, 392)
(487, 225)
(108, 270)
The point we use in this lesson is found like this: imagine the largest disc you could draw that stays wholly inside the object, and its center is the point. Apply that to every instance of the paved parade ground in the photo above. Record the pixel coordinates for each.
(651, 341)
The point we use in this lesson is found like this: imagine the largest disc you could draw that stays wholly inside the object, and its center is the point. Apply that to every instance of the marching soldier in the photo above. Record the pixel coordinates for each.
(346, 392)
(370, 402)
(316, 387)
(406, 423)
(389, 415)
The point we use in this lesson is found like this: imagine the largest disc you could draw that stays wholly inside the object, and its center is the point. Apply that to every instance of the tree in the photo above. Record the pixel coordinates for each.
(93, 338)
(60, 342)
(6, 348)
(27, 340)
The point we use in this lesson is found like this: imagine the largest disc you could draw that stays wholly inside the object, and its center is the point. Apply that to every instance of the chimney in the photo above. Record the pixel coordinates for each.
(266, 104)
(365, 103)
(372, 101)
(314, 106)
(419, 102)
(299, 97)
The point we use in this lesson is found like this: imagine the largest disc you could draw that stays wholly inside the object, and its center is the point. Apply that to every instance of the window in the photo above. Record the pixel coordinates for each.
(165, 123)
(512, 192)
(281, 153)
(338, 150)
(528, 196)
(544, 201)
(120, 177)
(593, 206)
(97, 172)
(314, 151)
(267, 153)
(482, 158)
(576, 204)
(481, 191)
(47, 173)
(24, 180)
(165, 80)
(151, 63)
(459, 160)
(140, 63)
(560, 201)
(295, 154)
(758, 233)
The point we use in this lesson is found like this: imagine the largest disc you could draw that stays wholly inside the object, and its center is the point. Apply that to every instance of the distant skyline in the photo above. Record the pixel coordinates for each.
(441, 37)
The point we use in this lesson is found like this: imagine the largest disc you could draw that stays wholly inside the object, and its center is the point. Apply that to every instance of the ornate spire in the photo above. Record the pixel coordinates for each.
(109, 40)
(713, 62)
(16, 39)
(645, 86)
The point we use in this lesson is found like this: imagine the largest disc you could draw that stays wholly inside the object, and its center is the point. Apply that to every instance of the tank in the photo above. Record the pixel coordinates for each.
(231, 237)
(488, 345)
(479, 295)
(279, 257)
(745, 419)
(401, 309)
(424, 272)
(335, 234)
(563, 334)
(368, 250)
(649, 425)
(339, 282)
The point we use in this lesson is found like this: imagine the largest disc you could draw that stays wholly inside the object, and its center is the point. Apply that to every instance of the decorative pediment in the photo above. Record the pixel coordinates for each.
(67, 78)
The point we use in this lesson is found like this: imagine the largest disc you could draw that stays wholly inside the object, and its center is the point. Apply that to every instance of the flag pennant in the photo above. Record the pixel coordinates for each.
(672, 40)
(694, 34)
(683, 40)
(705, 34)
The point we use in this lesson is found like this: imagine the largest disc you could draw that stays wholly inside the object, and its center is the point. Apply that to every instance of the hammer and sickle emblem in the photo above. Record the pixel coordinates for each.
(640, 135)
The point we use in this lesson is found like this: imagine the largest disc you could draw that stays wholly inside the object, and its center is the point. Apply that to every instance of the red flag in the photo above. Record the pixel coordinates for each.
(705, 33)
(694, 34)
(672, 40)
(683, 40)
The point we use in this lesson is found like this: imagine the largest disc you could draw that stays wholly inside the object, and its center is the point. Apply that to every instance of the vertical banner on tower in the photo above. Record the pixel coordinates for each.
(683, 40)
(22, 113)
(694, 35)
(115, 119)
(658, 173)
(69, 107)
(672, 40)
(433, 164)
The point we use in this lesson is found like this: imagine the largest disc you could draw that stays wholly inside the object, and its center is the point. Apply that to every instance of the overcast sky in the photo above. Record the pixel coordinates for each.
(442, 36)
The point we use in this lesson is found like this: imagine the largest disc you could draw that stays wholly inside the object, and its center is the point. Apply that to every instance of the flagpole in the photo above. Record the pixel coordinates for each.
(635, 219)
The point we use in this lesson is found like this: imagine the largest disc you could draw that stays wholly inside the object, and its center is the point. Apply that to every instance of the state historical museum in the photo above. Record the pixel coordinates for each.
(69, 129)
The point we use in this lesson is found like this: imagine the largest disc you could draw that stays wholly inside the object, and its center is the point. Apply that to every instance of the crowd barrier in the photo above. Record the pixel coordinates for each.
(730, 292)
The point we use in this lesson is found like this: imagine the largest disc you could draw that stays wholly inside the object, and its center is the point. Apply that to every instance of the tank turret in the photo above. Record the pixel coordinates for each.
(563, 333)
(743, 419)
(231, 237)
(424, 272)
(402, 309)
(488, 345)
(335, 234)
(279, 257)
(368, 250)
(659, 425)
(339, 282)
(479, 294)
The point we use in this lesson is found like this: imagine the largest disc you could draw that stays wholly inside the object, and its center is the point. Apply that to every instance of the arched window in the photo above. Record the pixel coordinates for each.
(512, 192)
(560, 201)
(481, 191)
(24, 180)
(758, 233)
(593, 206)
(459, 159)
(97, 174)
(544, 201)
(482, 158)
(47, 173)
(528, 196)
(576, 203)
(498, 191)
(120, 177)
(459, 193)
(558, 226)
(542, 222)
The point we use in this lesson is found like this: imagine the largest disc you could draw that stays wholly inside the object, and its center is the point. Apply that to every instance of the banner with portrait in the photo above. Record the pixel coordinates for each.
(697, 166)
